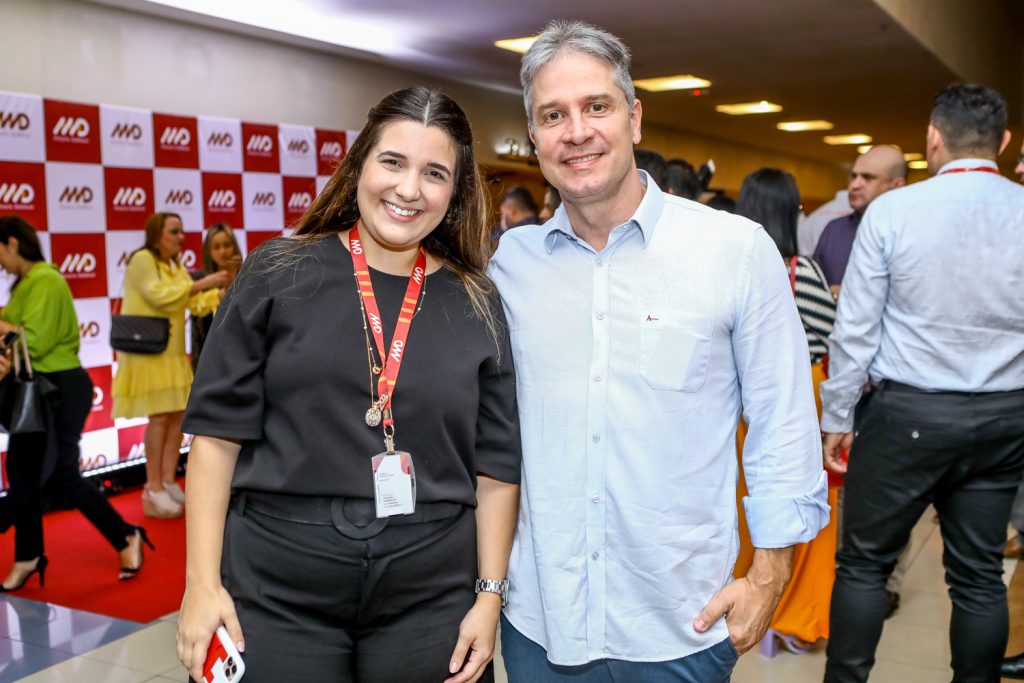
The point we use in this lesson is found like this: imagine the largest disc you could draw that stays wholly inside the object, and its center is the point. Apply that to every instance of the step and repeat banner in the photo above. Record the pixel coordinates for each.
(87, 176)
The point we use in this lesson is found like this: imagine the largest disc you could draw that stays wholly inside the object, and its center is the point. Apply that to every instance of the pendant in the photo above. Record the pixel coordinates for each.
(375, 369)
(373, 416)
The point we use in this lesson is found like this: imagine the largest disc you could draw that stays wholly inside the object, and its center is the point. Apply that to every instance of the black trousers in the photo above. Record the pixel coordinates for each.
(316, 604)
(70, 405)
(964, 453)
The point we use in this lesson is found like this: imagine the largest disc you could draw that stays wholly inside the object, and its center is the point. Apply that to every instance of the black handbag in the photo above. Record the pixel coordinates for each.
(139, 333)
(25, 409)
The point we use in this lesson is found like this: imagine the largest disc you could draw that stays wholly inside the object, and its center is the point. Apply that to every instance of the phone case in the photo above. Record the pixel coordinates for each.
(223, 663)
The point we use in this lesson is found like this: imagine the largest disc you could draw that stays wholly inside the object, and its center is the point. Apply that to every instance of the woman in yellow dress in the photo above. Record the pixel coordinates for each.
(157, 385)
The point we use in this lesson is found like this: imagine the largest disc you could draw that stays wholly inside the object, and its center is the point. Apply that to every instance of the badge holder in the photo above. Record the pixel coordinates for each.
(394, 479)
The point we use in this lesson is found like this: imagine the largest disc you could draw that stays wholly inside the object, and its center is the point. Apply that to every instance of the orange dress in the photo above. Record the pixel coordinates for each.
(804, 608)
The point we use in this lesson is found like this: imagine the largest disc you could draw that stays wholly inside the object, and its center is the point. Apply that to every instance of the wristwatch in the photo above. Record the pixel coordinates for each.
(494, 586)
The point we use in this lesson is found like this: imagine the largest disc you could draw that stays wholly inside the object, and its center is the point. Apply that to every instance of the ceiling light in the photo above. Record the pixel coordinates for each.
(918, 165)
(913, 156)
(761, 107)
(685, 82)
(856, 139)
(800, 126)
(520, 45)
(864, 148)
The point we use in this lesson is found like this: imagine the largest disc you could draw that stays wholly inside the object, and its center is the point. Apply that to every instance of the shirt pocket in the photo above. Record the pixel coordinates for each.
(674, 351)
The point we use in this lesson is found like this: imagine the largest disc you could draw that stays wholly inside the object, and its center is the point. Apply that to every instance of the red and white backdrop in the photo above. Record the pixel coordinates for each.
(87, 176)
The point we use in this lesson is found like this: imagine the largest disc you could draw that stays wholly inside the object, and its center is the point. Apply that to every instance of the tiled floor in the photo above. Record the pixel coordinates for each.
(43, 643)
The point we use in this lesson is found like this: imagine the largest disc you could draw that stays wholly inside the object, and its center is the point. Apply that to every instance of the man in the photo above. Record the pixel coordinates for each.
(878, 170)
(1019, 170)
(810, 227)
(931, 309)
(517, 208)
(640, 323)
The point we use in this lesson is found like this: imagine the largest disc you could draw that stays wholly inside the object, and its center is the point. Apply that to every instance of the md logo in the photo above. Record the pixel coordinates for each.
(222, 199)
(91, 463)
(97, 397)
(126, 256)
(71, 127)
(127, 131)
(300, 201)
(176, 137)
(179, 198)
(76, 195)
(188, 259)
(260, 144)
(264, 199)
(74, 264)
(130, 196)
(16, 193)
(331, 150)
(89, 330)
(220, 140)
(14, 121)
(298, 146)
(137, 450)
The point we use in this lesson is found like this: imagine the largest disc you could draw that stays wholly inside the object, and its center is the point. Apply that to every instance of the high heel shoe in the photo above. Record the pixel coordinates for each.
(175, 492)
(127, 573)
(773, 643)
(40, 569)
(159, 504)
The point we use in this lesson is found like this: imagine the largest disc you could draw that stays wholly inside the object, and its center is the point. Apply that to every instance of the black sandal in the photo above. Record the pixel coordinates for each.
(127, 573)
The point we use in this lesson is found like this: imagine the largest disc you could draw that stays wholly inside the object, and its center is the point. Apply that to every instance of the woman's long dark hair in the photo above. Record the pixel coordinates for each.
(462, 240)
(769, 196)
(28, 241)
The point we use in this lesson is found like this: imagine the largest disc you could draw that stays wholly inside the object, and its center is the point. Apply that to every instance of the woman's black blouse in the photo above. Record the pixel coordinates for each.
(284, 370)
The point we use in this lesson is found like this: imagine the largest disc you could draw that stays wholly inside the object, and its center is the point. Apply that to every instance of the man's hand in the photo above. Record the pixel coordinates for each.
(750, 602)
(832, 447)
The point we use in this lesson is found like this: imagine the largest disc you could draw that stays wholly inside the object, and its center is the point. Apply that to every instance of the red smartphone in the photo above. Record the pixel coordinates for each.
(223, 663)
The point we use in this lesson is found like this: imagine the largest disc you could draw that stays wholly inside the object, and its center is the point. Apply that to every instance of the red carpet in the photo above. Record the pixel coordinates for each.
(83, 567)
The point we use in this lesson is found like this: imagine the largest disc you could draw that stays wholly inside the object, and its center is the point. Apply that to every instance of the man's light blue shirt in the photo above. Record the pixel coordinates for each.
(934, 291)
(633, 364)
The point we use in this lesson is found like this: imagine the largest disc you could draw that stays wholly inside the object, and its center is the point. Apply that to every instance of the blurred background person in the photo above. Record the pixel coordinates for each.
(653, 163)
(552, 200)
(157, 385)
(220, 253)
(518, 208)
(722, 202)
(769, 196)
(41, 309)
(681, 179)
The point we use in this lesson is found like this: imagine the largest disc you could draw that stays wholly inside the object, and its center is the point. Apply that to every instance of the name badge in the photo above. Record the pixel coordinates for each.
(394, 484)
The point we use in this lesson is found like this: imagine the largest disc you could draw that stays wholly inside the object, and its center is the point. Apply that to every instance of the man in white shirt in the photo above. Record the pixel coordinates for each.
(641, 323)
(932, 310)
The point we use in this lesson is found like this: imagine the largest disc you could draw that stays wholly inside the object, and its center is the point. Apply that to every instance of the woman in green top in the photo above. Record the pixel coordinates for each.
(41, 309)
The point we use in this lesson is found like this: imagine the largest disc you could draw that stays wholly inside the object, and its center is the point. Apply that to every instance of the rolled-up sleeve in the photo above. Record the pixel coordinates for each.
(782, 451)
(858, 331)
(227, 398)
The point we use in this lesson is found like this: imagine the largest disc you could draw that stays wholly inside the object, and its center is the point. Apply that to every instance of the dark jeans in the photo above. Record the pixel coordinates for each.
(527, 662)
(316, 604)
(70, 405)
(964, 453)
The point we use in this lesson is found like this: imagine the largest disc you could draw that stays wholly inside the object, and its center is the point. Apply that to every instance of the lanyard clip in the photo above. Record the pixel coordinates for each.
(389, 438)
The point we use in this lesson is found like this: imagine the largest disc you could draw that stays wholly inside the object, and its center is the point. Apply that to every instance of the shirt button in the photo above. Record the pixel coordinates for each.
(595, 555)
(914, 434)
(600, 316)
(596, 498)
(596, 437)
(600, 262)
(597, 377)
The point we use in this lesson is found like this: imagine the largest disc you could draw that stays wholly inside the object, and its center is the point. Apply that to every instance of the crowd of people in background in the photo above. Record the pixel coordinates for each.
(888, 321)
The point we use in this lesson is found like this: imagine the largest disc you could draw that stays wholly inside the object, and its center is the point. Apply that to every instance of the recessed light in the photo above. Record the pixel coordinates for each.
(913, 156)
(761, 107)
(855, 139)
(800, 126)
(864, 148)
(684, 82)
(918, 165)
(520, 45)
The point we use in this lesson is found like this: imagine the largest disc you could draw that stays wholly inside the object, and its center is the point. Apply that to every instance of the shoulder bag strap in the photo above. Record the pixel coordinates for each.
(792, 273)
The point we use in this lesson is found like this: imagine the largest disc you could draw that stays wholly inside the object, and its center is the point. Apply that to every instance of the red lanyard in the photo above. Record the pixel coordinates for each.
(392, 362)
(984, 169)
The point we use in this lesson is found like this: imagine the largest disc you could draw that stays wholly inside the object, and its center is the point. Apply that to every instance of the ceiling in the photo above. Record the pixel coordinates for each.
(845, 61)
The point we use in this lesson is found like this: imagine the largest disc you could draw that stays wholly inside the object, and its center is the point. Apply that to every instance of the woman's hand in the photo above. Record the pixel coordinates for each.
(221, 278)
(203, 609)
(476, 638)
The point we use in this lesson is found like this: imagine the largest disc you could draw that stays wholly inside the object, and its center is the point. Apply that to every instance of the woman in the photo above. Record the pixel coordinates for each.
(298, 391)
(770, 197)
(157, 385)
(220, 253)
(41, 309)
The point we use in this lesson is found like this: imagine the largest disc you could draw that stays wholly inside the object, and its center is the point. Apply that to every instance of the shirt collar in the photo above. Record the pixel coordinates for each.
(968, 163)
(645, 217)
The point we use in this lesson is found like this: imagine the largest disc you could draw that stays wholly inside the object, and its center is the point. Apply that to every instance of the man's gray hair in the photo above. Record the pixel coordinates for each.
(576, 36)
